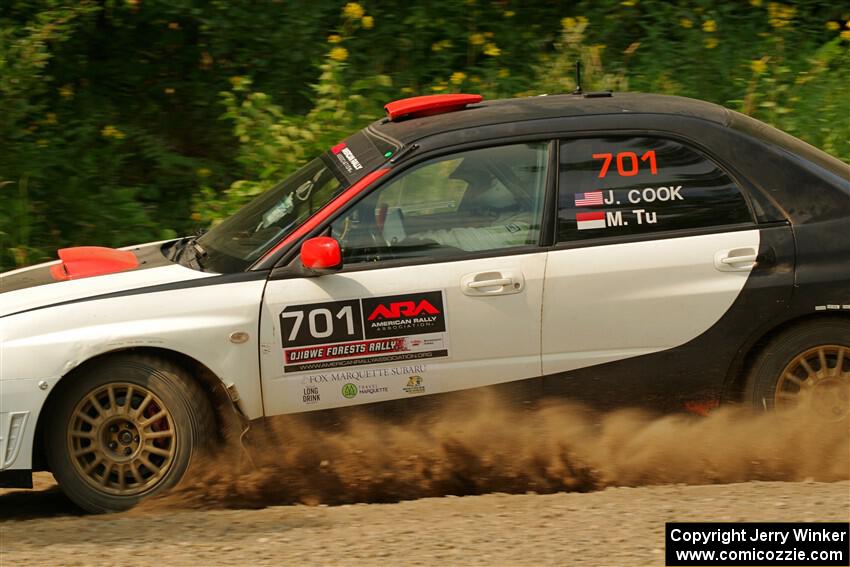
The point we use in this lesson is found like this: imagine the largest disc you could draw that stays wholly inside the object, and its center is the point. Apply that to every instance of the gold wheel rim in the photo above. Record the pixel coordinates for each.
(819, 377)
(122, 439)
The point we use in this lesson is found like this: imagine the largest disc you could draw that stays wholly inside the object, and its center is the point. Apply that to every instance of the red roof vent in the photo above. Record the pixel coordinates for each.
(86, 261)
(429, 104)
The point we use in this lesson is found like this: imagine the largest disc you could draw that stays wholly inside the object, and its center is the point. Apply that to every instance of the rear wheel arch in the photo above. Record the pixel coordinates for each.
(226, 412)
(734, 388)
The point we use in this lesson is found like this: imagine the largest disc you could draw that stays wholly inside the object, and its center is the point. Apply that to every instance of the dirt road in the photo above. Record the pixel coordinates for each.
(616, 526)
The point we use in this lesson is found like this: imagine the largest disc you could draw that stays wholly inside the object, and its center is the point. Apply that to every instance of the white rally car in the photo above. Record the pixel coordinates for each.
(618, 249)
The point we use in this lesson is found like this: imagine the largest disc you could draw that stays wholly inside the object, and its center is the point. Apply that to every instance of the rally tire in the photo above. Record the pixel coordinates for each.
(124, 429)
(799, 365)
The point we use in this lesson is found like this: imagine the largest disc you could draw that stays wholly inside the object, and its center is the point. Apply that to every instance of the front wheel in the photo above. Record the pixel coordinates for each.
(124, 429)
(808, 364)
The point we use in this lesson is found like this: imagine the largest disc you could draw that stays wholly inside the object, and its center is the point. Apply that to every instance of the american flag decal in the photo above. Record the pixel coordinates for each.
(591, 199)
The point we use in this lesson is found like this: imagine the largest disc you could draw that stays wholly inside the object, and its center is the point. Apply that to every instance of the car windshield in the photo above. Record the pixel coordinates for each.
(237, 242)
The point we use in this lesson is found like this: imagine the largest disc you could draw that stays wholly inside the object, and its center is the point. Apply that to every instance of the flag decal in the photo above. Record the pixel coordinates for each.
(586, 221)
(591, 199)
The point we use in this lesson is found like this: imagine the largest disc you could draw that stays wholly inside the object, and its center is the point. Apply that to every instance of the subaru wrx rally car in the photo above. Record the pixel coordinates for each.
(612, 248)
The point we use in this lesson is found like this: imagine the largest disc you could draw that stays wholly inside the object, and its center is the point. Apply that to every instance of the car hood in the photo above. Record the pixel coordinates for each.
(83, 273)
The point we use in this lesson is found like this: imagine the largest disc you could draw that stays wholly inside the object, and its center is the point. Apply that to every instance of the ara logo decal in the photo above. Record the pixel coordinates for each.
(403, 315)
(399, 309)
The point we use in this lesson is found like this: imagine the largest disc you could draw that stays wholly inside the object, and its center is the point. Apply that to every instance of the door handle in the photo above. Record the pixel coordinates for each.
(736, 260)
(497, 282)
(488, 283)
(739, 259)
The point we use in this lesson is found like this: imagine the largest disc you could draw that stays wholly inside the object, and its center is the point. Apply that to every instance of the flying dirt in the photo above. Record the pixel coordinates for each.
(467, 449)
(597, 464)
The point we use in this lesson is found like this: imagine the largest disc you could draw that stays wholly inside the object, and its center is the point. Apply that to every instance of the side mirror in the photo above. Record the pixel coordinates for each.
(321, 255)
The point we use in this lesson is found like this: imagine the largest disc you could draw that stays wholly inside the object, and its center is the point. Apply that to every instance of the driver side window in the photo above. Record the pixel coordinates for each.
(473, 201)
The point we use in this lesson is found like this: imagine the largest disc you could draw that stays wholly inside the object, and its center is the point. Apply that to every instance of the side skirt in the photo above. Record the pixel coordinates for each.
(20, 478)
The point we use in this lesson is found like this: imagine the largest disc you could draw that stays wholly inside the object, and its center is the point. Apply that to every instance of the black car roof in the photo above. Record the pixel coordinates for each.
(502, 111)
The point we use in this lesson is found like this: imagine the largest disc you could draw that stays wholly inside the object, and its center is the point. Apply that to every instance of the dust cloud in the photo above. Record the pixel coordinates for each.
(491, 447)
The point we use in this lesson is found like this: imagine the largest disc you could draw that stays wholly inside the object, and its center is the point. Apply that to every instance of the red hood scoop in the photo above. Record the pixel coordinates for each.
(87, 261)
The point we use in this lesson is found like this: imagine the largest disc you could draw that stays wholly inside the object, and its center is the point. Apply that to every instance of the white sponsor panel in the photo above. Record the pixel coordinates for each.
(344, 386)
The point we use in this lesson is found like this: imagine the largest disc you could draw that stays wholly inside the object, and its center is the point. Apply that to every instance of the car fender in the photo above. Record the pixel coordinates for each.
(41, 347)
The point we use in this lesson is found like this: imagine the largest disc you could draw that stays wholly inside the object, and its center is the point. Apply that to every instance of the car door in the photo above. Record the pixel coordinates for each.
(659, 273)
(441, 289)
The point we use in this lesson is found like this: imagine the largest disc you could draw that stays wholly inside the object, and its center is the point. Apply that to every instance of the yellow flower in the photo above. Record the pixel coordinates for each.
(504, 73)
(368, 22)
(477, 39)
(686, 23)
(492, 50)
(582, 20)
(845, 35)
(334, 38)
(457, 77)
(629, 3)
(780, 15)
(710, 42)
(353, 10)
(568, 23)
(440, 45)
(759, 66)
(236, 81)
(438, 88)
(709, 26)
(755, 3)
(50, 118)
(509, 14)
(66, 91)
(110, 131)
(338, 54)
(833, 26)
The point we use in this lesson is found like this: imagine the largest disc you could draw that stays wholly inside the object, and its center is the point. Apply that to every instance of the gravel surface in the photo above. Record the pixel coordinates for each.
(616, 526)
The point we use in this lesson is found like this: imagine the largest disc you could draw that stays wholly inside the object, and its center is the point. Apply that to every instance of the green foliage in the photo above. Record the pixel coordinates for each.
(132, 120)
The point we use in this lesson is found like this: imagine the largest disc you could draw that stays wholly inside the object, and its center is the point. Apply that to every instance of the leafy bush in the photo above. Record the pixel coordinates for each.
(133, 120)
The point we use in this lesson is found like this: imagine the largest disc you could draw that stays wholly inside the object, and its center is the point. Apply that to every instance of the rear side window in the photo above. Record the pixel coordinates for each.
(619, 186)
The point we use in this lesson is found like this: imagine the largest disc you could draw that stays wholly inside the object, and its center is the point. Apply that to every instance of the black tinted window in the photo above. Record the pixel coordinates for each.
(630, 186)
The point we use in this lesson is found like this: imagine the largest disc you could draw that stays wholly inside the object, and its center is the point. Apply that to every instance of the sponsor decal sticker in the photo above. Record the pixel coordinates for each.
(311, 395)
(831, 307)
(349, 390)
(373, 330)
(346, 158)
(415, 385)
(360, 374)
